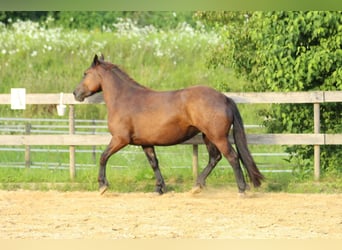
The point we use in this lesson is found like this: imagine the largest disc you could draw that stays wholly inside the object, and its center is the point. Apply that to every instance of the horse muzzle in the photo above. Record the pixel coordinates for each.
(79, 96)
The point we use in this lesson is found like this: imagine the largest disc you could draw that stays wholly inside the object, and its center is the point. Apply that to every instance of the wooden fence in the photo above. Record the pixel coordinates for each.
(316, 138)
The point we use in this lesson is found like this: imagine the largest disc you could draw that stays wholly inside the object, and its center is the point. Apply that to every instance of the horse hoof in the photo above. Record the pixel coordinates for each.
(103, 189)
(159, 190)
(196, 190)
(156, 193)
(242, 195)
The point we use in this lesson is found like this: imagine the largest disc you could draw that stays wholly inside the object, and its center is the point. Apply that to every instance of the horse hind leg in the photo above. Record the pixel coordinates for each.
(231, 155)
(152, 158)
(214, 157)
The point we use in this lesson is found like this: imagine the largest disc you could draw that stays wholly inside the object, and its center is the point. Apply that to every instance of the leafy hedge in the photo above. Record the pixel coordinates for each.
(288, 51)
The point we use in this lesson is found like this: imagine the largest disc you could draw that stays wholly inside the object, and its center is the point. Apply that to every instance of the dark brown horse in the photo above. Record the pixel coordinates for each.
(141, 116)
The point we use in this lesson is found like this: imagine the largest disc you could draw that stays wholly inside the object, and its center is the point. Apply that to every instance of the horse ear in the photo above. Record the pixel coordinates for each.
(95, 61)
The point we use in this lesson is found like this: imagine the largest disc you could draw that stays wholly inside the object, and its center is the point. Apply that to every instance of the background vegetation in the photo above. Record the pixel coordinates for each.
(288, 51)
(230, 51)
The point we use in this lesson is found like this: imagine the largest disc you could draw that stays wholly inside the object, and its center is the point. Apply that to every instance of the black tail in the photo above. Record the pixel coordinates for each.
(241, 145)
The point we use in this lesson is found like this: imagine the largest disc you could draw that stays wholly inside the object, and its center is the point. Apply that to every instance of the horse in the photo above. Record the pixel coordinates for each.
(138, 115)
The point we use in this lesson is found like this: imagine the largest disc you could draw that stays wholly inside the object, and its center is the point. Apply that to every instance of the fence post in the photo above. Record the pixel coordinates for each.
(94, 147)
(317, 151)
(27, 147)
(195, 162)
(72, 167)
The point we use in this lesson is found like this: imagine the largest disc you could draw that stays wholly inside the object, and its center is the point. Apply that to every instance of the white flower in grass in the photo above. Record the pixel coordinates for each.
(34, 53)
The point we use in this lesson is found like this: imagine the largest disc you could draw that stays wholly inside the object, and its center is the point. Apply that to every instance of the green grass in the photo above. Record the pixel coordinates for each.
(141, 179)
(135, 175)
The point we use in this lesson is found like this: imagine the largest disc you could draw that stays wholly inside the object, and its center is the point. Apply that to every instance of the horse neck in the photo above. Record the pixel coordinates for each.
(118, 84)
(121, 76)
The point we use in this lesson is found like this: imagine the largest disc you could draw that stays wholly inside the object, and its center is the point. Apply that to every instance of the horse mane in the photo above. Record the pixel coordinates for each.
(121, 74)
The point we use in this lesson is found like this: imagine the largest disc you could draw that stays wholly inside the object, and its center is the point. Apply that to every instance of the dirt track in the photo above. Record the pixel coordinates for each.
(211, 214)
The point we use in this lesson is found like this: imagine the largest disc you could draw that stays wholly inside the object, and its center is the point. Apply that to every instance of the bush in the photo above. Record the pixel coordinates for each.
(289, 51)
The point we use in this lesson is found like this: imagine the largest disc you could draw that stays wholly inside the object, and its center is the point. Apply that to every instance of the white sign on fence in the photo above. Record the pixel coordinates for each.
(18, 98)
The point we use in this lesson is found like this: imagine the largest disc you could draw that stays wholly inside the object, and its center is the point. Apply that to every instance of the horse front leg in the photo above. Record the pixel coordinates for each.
(114, 146)
(152, 158)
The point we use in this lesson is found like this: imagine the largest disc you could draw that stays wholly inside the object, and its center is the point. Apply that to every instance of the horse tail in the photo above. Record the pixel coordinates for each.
(241, 145)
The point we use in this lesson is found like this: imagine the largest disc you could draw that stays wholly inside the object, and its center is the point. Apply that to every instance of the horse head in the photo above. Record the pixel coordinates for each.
(91, 81)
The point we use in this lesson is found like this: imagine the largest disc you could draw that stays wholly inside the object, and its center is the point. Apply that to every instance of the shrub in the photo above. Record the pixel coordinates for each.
(289, 51)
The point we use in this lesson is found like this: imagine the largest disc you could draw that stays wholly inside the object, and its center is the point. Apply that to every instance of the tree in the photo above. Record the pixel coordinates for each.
(290, 51)
(11, 16)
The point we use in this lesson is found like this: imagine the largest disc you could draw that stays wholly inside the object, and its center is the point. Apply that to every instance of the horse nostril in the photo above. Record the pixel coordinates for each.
(75, 95)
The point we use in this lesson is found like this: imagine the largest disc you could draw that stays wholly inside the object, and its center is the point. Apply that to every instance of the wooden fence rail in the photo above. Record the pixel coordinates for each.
(316, 138)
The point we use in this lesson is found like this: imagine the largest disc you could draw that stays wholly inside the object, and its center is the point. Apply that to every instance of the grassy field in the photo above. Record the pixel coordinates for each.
(52, 60)
(129, 171)
(134, 179)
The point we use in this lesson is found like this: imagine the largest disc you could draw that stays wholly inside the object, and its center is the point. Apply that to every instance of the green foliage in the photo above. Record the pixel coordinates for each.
(100, 20)
(12, 16)
(289, 51)
(219, 18)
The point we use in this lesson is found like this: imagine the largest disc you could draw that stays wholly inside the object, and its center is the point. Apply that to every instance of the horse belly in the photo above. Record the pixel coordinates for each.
(163, 135)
